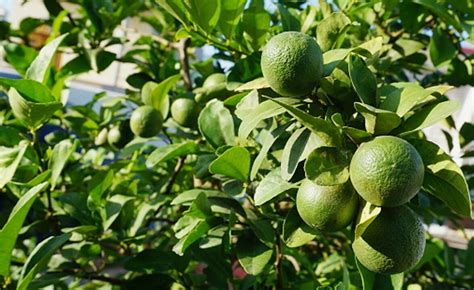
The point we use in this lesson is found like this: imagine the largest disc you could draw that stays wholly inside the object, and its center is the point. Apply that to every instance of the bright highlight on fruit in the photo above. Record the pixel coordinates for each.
(146, 122)
(292, 64)
(387, 171)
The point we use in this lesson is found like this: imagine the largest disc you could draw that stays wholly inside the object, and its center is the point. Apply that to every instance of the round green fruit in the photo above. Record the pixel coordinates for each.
(393, 243)
(119, 136)
(185, 112)
(214, 87)
(387, 171)
(292, 64)
(327, 208)
(214, 80)
(146, 122)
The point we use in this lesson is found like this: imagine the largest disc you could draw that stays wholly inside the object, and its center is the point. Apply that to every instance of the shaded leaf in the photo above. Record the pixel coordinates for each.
(296, 232)
(443, 177)
(171, 151)
(331, 30)
(61, 153)
(253, 255)
(10, 158)
(327, 166)
(363, 80)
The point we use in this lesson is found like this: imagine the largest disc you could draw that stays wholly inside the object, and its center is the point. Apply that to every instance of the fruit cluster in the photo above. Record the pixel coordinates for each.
(386, 172)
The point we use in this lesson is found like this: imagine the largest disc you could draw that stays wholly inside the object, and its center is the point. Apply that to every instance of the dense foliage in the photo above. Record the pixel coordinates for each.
(209, 201)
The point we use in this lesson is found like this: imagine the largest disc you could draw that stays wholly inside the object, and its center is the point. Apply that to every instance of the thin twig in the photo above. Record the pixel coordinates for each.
(278, 268)
(173, 177)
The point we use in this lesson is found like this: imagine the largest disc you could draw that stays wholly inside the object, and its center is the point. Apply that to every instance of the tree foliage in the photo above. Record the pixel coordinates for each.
(211, 205)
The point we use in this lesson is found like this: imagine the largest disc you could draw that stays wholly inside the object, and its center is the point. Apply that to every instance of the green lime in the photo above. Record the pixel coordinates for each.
(185, 112)
(393, 243)
(387, 171)
(119, 136)
(292, 63)
(214, 87)
(327, 208)
(146, 122)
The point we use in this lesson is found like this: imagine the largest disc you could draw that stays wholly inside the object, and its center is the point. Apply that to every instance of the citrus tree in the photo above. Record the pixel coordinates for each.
(293, 157)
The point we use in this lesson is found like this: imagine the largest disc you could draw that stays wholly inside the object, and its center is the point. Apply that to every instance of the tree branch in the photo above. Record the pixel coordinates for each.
(184, 60)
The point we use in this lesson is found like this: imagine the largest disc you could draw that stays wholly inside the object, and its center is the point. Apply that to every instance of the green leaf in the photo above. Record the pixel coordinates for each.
(296, 232)
(252, 116)
(363, 80)
(271, 186)
(113, 207)
(402, 97)
(175, 8)
(256, 24)
(204, 13)
(234, 163)
(469, 266)
(366, 216)
(231, 13)
(11, 229)
(289, 21)
(39, 258)
(10, 158)
(433, 248)
(443, 177)
(327, 133)
(378, 121)
(61, 153)
(171, 151)
(30, 101)
(216, 124)
(331, 30)
(427, 116)
(196, 230)
(373, 281)
(441, 11)
(297, 148)
(98, 186)
(332, 58)
(219, 201)
(253, 255)
(327, 166)
(156, 95)
(40, 68)
(267, 139)
(442, 50)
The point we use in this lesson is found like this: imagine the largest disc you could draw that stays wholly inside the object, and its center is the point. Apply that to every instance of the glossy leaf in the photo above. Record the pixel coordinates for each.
(204, 13)
(253, 255)
(331, 30)
(61, 153)
(234, 163)
(441, 48)
(427, 116)
(296, 232)
(378, 121)
(11, 229)
(270, 187)
(40, 68)
(401, 97)
(156, 95)
(10, 158)
(328, 134)
(216, 124)
(363, 80)
(171, 151)
(297, 148)
(39, 258)
(231, 13)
